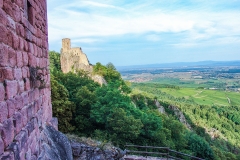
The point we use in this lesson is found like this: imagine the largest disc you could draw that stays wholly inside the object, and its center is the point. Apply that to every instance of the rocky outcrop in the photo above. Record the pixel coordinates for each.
(161, 109)
(176, 111)
(99, 79)
(54, 145)
(83, 151)
(180, 116)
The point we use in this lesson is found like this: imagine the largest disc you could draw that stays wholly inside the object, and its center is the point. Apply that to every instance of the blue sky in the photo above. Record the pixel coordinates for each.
(127, 32)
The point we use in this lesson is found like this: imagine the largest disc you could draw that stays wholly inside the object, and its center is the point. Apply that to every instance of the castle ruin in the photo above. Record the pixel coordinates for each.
(73, 59)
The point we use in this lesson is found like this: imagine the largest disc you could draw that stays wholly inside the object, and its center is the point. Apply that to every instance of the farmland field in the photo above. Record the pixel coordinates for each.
(194, 95)
(203, 86)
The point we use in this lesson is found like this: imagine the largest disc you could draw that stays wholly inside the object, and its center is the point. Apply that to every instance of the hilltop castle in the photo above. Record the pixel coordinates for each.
(73, 59)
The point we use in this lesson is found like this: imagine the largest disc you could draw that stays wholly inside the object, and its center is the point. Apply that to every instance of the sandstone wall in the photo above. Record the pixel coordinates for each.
(25, 104)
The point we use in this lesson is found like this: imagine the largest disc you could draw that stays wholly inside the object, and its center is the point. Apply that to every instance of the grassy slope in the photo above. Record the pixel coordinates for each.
(205, 97)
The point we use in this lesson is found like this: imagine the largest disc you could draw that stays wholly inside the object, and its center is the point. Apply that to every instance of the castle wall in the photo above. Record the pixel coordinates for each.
(73, 58)
(25, 103)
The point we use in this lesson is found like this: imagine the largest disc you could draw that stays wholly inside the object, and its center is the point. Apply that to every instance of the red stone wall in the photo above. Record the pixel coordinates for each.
(25, 103)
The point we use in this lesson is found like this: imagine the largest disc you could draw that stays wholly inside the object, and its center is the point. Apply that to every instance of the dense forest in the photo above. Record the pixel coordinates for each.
(115, 113)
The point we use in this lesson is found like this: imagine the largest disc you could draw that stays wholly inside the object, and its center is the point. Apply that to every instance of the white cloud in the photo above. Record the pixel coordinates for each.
(69, 19)
(86, 40)
(153, 38)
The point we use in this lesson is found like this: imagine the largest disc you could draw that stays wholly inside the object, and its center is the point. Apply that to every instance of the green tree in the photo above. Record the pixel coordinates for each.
(199, 146)
(126, 127)
(55, 64)
(110, 66)
(84, 99)
(61, 106)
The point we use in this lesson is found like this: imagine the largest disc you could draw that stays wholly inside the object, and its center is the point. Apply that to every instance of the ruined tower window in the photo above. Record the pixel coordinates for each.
(30, 12)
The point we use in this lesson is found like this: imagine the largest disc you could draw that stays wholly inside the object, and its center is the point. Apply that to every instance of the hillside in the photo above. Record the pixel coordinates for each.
(115, 113)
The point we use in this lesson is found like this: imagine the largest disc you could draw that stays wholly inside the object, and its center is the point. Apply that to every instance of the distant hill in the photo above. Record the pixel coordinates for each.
(181, 65)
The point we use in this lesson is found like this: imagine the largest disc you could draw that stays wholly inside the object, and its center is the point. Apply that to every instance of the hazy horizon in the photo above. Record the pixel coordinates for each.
(147, 32)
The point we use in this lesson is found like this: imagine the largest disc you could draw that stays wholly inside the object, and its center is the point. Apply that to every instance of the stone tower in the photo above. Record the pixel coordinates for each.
(73, 59)
(66, 44)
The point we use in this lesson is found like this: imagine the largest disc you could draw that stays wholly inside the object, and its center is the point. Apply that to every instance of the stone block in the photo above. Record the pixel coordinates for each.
(24, 113)
(1, 5)
(39, 52)
(3, 17)
(10, 23)
(17, 73)
(16, 12)
(10, 38)
(34, 148)
(28, 154)
(24, 21)
(42, 63)
(3, 54)
(27, 84)
(7, 156)
(21, 44)
(3, 34)
(38, 62)
(2, 92)
(4, 111)
(30, 114)
(21, 138)
(30, 126)
(25, 72)
(19, 59)
(17, 121)
(19, 102)
(11, 103)
(31, 48)
(33, 157)
(7, 7)
(19, 3)
(32, 60)
(35, 53)
(1, 143)
(35, 107)
(11, 88)
(25, 46)
(25, 98)
(6, 73)
(36, 93)
(31, 96)
(21, 86)
(12, 57)
(25, 58)
(15, 41)
(28, 36)
(8, 132)
(21, 30)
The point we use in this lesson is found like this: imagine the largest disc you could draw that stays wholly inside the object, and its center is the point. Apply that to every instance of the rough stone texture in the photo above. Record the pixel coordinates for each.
(3, 111)
(23, 61)
(73, 59)
(2, 92)
(161, 109)
(54, 145)
(83, 151)
(180, 116)
(99, 79)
